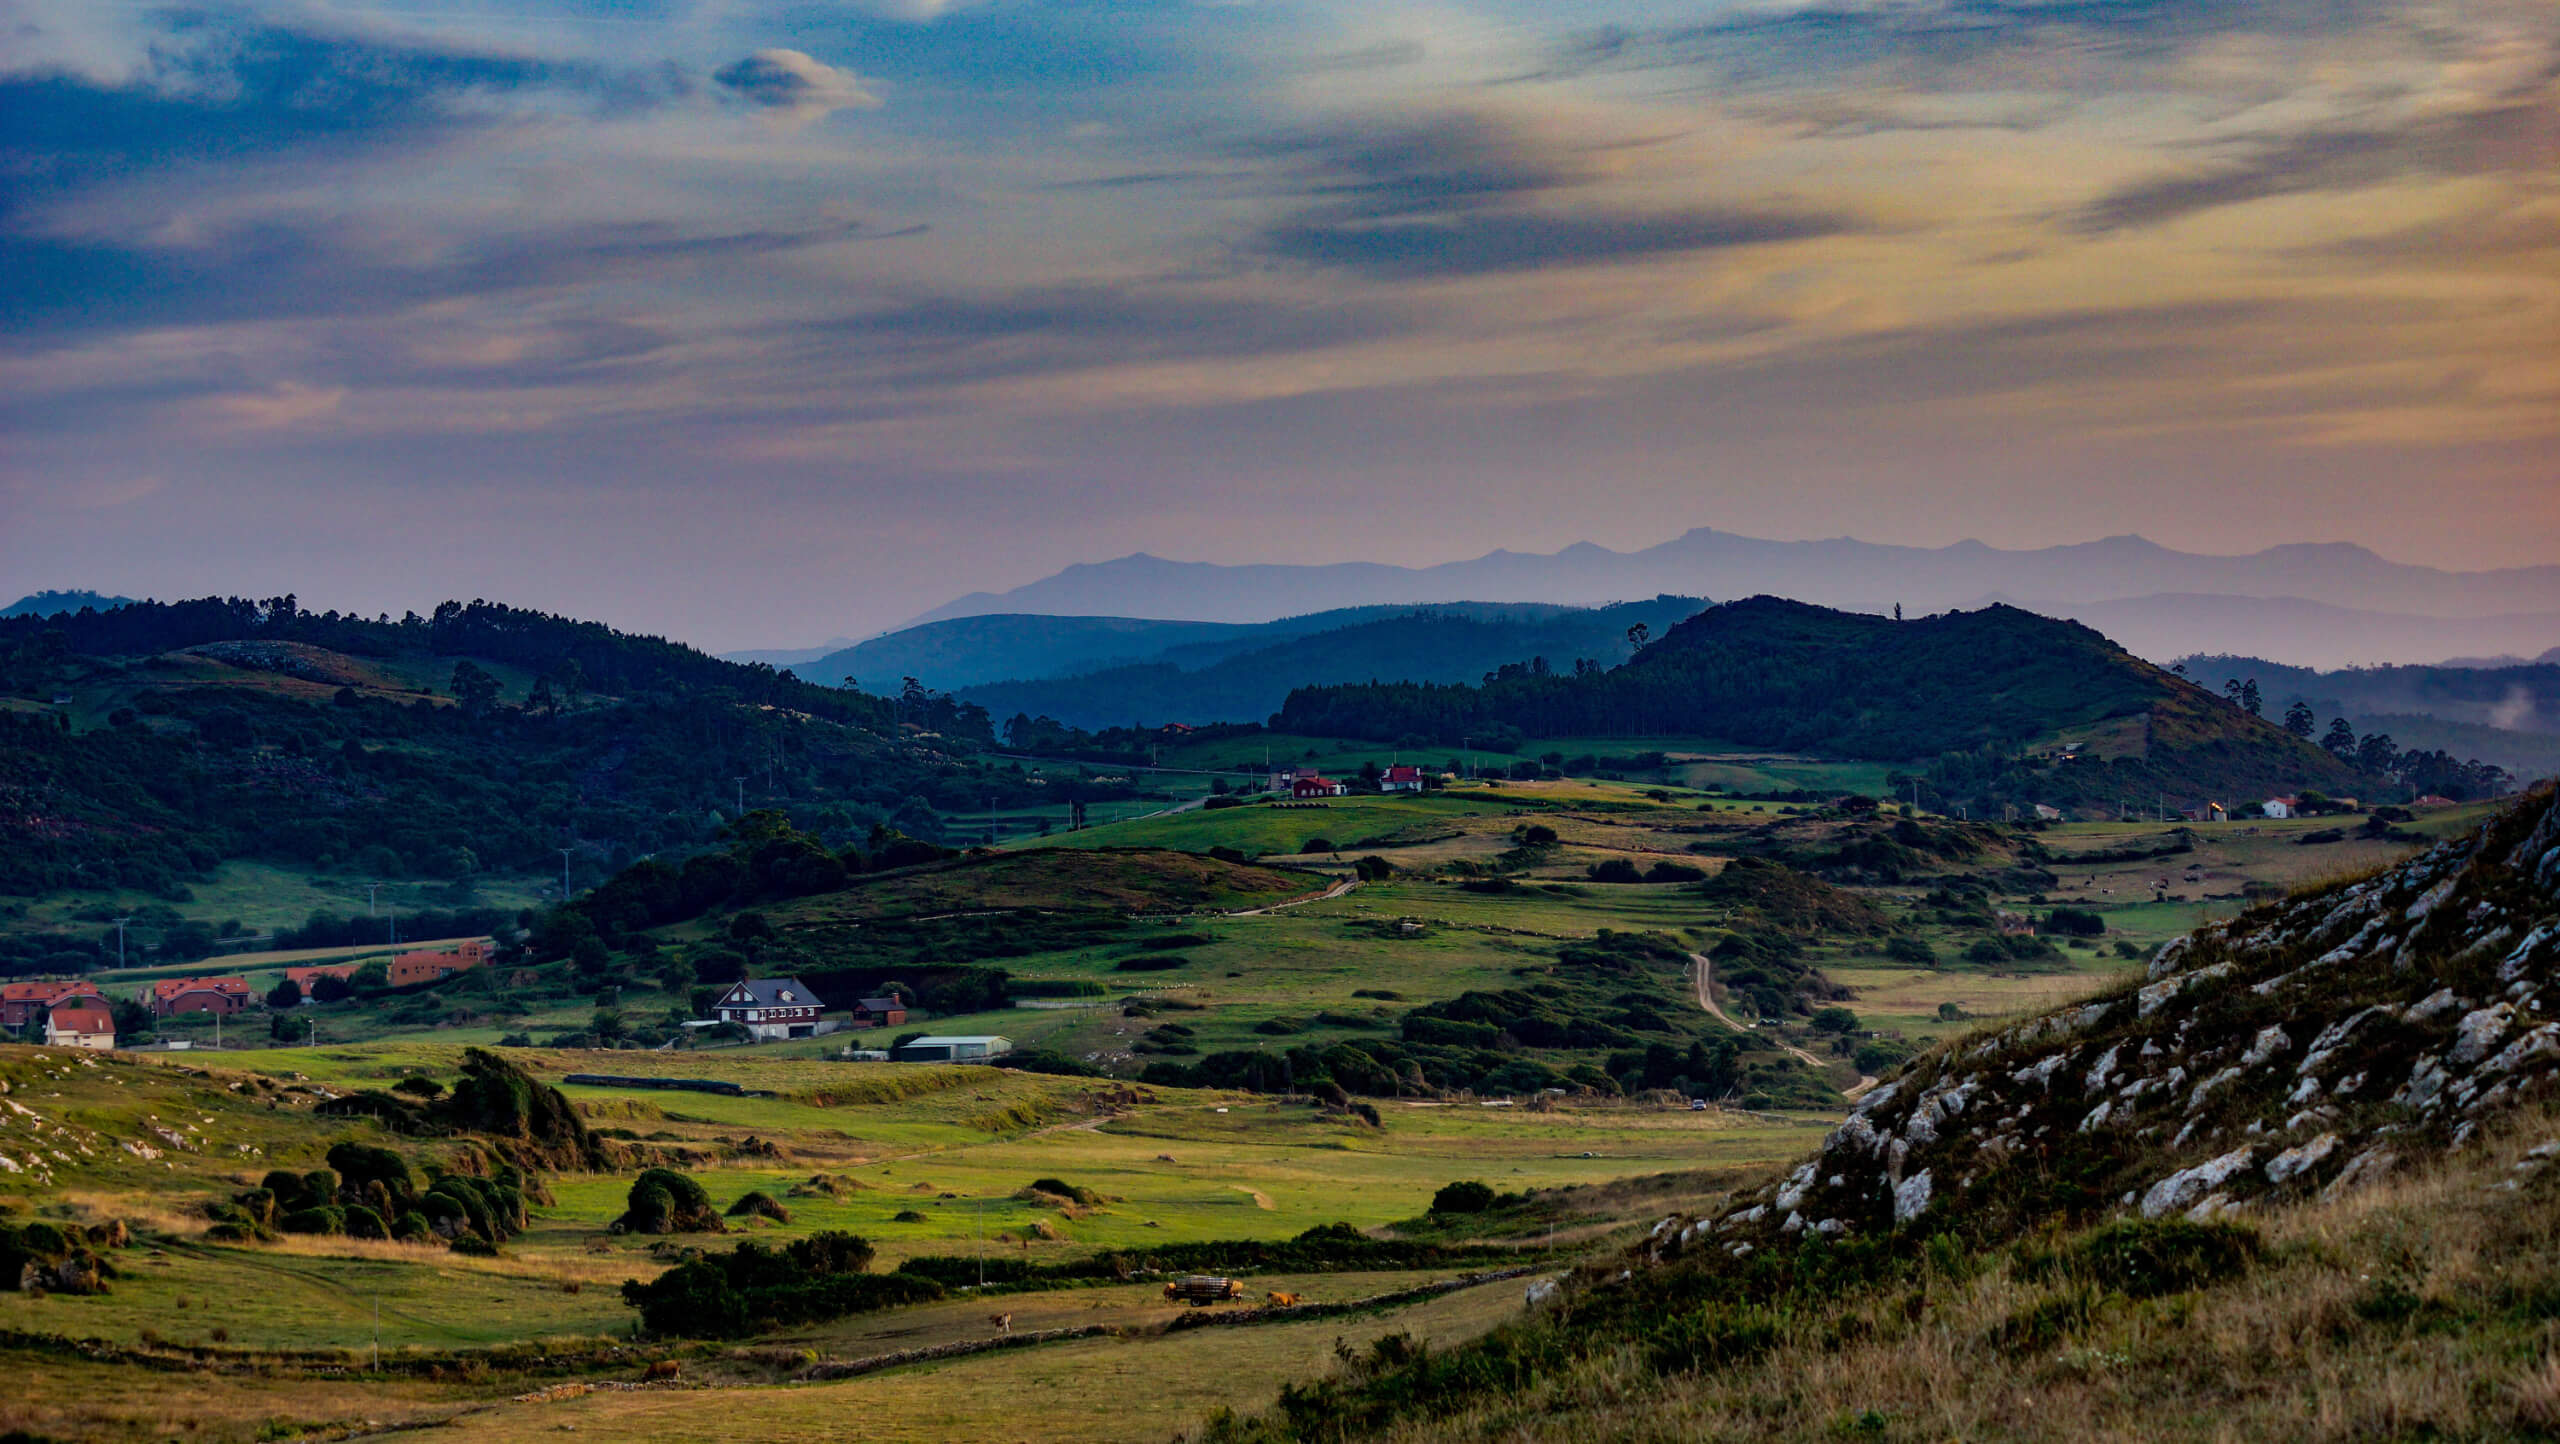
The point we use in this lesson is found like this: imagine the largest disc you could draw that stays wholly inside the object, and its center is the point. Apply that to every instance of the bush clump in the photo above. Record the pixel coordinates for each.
(40, 1257)
(810, 1280)
(756, 1203)
(665, 1201)
(1465, 1196)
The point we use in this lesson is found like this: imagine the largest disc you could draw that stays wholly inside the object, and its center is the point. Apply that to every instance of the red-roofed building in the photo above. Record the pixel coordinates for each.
(171, 996)
(1311, 785)
(1401, 778)
(303, 978)
(426, 966)
(23, 1003)
(80, 1028)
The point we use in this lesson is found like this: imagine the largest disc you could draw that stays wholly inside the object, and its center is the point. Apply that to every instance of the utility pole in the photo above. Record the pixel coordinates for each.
(120, 922)
(742, 796)
(564, 872)
(369, 890)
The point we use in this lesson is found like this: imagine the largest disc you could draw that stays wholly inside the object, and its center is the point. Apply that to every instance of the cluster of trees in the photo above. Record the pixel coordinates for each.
(755, 1289)
(2375, 755)
(404, 784)
(766, 859)
(368, 1192)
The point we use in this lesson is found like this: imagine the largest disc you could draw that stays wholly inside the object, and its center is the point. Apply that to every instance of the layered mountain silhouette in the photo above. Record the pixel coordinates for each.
(2315, 603)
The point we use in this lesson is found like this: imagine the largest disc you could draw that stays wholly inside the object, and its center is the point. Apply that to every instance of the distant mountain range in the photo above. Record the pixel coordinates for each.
(46, 604)
(2317, 603)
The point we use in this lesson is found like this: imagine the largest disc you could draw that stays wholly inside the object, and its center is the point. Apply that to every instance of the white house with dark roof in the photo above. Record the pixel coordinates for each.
(772, 1008)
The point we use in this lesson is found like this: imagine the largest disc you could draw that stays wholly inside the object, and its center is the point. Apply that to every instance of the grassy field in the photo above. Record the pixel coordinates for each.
(953, 1147)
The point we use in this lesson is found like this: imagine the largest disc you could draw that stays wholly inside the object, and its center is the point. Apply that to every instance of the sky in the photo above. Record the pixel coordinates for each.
(755, 322)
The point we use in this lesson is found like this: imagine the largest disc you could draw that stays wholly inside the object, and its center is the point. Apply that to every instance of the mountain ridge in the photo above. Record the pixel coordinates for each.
(1840, 572)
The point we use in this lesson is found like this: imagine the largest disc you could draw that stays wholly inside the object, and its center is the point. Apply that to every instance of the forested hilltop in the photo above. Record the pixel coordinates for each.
(1971, 689)
(144, 745)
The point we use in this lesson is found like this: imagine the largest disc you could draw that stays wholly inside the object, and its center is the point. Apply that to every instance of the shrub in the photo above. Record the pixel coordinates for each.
(322, 1220)
(2145, 1258)
(1466, 1196)
(755, 1288)
(1674, 872)
(1616, 869)
(1904, 948)
(665, 1201)
(2073, 923)
(1151, 963)
(1834, 1020)
(1315, 845)
(756, 1203)
(1060, 1188)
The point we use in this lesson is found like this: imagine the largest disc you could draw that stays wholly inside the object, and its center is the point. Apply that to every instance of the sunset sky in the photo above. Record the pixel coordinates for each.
(755, 322)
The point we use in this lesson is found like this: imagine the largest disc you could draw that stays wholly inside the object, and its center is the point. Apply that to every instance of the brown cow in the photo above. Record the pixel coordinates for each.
(1003, 1322)
(1285, 1301)
(661, 1370)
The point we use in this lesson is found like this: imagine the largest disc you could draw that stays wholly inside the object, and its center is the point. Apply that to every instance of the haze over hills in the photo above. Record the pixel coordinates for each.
(1245, 676)
(1108, 671)
(2161, 593)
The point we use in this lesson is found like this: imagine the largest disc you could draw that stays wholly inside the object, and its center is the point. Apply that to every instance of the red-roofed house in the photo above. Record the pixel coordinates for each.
(1401, 778)
(171, 996)
(23, 1003)
(80, 1028)
(303, 978)
(425, 966)
(1311, 785)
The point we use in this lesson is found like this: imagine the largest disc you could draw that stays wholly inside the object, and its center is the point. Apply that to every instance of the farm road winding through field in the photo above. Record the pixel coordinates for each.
(1707, 1000)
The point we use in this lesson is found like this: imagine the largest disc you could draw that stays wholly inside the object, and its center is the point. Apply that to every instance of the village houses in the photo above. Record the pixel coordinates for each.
(23, 1003)
(172, 996)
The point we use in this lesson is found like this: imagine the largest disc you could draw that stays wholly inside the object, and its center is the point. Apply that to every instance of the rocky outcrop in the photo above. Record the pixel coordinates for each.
(2298, 1049)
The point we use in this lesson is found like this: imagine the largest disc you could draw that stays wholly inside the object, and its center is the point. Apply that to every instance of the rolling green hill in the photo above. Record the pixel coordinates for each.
(1975, 688)
(143, 748)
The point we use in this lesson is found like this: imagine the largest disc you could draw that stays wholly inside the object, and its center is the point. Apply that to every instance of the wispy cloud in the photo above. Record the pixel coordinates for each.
(794, 86)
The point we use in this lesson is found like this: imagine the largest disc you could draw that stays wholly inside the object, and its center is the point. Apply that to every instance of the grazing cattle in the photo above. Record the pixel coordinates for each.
(1285, 1301)
(661, 1370)
(1003, 1322)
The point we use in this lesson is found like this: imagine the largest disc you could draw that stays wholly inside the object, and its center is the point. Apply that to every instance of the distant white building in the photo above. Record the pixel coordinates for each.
(772, 1008)
(2048, 814)
(2276, 807)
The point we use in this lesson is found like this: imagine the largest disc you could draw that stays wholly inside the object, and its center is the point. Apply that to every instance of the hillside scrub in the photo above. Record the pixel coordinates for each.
(2302, 1179)
(1611, 1015)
